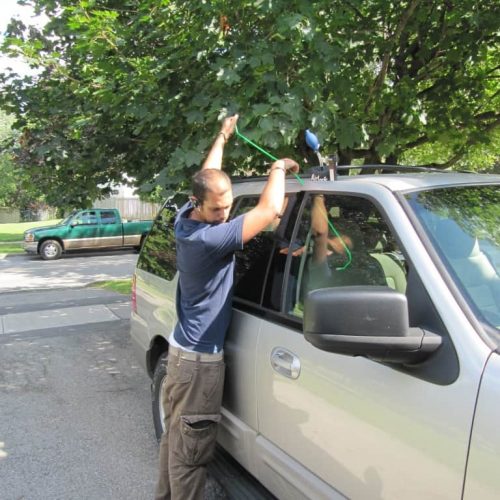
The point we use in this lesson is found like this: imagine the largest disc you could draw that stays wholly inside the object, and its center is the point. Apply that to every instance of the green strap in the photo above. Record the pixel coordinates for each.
(347, 251)
(301, 182)
(269, 155)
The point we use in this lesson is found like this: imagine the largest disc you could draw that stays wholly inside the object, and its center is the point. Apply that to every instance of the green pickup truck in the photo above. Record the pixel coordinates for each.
(86, 229)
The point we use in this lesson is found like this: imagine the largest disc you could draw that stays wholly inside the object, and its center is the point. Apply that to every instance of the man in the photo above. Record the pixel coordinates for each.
(206, 243)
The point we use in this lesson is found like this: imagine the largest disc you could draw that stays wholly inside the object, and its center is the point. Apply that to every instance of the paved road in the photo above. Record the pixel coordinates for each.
(24, 272)
(75, 408)
(75, 418)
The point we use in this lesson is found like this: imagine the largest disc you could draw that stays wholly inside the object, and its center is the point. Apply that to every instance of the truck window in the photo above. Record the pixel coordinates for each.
(86, 218)
(158, 255)
(108, 217)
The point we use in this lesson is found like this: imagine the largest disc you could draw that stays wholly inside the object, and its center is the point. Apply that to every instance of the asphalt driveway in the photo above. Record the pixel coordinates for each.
(75, 407)
(75, 417)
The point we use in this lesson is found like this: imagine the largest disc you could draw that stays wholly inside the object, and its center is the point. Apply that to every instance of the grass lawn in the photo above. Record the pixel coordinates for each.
(120, 286)
(11, 248)
(14, 232)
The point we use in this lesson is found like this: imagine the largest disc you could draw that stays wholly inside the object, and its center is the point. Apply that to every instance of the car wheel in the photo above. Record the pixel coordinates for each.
(50, 250)
(159, 379)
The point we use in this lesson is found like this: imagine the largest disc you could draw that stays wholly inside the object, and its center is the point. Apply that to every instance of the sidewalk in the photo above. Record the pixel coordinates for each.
(28, 311)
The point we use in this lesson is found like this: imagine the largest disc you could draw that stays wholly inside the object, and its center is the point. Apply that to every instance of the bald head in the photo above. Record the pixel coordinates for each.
(210, 180)
(214, 196)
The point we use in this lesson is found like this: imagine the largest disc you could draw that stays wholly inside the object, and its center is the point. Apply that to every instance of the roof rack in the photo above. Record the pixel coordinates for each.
(323, 171)
(399, 168)
(384, 168)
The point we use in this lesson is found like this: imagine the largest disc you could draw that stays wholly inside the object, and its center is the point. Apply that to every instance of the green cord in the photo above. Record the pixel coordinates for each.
(246, 139)
(348, 252)
(330, 225)
(269, 155)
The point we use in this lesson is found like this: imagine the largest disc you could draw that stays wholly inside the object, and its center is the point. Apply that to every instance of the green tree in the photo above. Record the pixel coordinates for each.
(16, 190)
(8, 184)
(137, 86)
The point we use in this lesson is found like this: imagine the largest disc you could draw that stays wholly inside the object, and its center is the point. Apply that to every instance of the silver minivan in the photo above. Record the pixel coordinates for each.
(374, 373)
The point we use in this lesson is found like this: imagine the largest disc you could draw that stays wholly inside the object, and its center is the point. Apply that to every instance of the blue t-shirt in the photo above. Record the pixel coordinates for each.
(205, 261)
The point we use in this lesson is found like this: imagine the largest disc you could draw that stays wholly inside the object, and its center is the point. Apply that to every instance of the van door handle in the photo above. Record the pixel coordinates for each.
(285, 362)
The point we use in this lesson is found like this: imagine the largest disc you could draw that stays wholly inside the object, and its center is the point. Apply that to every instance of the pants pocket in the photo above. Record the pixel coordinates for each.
(198, 438)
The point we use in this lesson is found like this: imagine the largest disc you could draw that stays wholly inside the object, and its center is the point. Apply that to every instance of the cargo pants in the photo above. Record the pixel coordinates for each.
(192, 399)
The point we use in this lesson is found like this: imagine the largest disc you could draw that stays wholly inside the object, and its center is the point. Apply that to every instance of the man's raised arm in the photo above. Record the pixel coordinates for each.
(271, 200)
(214, 158)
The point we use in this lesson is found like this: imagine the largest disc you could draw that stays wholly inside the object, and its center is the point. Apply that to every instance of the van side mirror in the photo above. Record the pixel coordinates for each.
(369, 321)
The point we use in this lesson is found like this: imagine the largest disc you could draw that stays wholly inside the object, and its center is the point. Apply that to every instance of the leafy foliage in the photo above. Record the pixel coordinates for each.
(137, 86)
(16, 190)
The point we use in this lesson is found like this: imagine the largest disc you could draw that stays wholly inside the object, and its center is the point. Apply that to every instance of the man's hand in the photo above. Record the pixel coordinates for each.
(214, 157)
(286, 164)
(291, 165)
(228, 126)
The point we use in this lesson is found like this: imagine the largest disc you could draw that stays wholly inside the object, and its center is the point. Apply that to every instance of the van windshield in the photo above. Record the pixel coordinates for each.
(463, 224)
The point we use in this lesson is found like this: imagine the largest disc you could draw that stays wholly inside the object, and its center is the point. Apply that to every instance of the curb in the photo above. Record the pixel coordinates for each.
(4, 256)
(68, 288)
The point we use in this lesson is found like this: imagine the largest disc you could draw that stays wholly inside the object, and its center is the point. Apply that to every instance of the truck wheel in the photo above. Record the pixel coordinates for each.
(159, 379)
(50, 250)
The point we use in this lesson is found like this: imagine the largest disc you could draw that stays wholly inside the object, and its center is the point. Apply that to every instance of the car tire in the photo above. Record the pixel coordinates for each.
(159, 378)
(51, 250)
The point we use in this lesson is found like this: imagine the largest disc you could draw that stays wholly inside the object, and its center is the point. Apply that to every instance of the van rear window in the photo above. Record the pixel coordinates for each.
(158, 254)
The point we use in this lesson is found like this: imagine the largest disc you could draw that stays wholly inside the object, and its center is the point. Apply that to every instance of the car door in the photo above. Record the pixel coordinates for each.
(239, 424)
(333, 426)
(84, 231)
(110, 229)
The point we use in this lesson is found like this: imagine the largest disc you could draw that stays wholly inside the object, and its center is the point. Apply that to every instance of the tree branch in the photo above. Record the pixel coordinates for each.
(377, 84)
(417, 142)
(462, 151)
(453, 159)
(492, 70)
(492, 125)
(487, 115)
(356, 10)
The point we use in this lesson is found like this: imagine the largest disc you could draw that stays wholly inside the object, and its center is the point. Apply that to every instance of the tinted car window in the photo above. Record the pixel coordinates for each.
(261, 263)
(280, 254)
(342, 241)
(251, 262)
(108, 217)
(158, 254)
